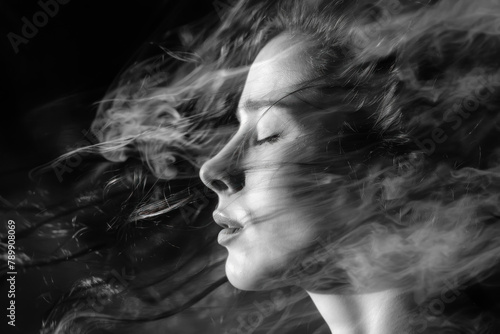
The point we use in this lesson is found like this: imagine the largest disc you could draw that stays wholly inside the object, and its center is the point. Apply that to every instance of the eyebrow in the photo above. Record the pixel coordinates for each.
(255, 105)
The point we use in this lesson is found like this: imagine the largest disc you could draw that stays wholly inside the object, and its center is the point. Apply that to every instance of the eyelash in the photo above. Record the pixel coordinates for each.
(270, 139)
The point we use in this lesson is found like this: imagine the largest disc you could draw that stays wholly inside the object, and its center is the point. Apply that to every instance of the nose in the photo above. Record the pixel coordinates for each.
(223, 173)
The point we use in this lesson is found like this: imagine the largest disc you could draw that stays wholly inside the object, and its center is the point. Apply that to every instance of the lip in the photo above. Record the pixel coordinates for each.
(227, 235)
(224, 221)
(231, 228)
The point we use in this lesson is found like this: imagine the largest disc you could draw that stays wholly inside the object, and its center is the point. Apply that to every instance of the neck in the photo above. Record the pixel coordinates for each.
(384, 312)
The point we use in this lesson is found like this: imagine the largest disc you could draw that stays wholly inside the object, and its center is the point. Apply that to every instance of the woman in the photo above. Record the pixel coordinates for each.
(321, 126)
(364, 167)
(267, 225)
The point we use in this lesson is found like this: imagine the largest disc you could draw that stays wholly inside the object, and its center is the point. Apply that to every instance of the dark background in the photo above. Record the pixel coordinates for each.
(70, 62)
(48, 94)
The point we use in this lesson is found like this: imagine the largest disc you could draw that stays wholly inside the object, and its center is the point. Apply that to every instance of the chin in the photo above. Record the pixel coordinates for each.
(241, 284)
(241, 277)
(250, 277)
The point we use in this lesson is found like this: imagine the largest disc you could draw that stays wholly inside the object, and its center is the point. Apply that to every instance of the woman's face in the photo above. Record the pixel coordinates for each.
(254, 175)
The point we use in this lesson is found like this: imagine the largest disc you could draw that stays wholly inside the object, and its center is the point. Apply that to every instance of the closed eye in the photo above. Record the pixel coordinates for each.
(270, 139)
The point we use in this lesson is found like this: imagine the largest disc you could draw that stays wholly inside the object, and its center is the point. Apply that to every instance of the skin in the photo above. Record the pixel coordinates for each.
(276, 231)
(265, 204)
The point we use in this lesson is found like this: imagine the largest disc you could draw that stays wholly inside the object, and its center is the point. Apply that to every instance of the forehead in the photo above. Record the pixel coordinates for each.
(279, 69)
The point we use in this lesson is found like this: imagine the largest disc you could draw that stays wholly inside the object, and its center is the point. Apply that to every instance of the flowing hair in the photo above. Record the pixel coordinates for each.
(413, 91)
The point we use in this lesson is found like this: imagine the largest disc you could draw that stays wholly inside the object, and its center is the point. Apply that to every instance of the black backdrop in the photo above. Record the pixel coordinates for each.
(48, 89)
(68, 64)
(74, 56)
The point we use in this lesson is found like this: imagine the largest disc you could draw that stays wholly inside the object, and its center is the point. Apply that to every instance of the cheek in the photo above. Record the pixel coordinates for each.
(279, 227)
(264, 254)
(277, 234)
(279, 203)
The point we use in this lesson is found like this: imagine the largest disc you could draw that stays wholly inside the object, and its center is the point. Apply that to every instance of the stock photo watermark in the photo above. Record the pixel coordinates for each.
(392, 7)
(31, 27)
(436, 306)
(11, 273)
(249, 321)
(72, 161)
(454, 118)
(222, 7)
